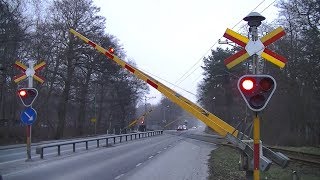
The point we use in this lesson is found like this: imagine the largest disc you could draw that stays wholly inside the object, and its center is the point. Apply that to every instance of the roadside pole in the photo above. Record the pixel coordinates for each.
(30, 72)
(27, 96)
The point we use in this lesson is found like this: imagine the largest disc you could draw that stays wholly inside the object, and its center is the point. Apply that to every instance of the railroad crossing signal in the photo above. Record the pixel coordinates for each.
(29, 72)
(27, 96)
(258, 47)
(256, 90)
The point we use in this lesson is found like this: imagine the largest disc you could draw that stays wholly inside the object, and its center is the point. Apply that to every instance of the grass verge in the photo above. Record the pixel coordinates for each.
(223, 164)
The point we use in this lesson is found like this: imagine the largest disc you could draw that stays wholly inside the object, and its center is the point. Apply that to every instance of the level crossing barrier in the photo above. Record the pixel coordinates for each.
(121, 137)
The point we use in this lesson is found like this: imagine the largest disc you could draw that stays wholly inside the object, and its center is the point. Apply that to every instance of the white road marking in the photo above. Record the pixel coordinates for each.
(138, 164)
(150, 157)
(118, 177)
(159, 152)
(13, 161)
(165, 148)
(53, 153)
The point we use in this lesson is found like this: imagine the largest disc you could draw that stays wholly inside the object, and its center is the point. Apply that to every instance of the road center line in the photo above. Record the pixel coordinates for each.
(150, 157)
(159, 152)
(138, 164)
(118, 177)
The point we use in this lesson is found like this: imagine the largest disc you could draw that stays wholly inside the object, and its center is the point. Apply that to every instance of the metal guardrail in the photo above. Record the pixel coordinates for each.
(40, 148)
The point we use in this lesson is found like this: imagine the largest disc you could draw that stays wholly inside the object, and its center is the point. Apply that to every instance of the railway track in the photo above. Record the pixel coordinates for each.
(311, 159)
(297, 156)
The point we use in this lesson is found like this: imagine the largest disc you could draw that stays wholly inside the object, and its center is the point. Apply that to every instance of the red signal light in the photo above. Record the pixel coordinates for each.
(22, 93)
(111, 50)
(256, 90)
(247, 84)
(27, 96)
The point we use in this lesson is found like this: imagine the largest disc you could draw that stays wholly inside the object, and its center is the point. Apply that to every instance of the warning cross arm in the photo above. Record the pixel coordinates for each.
(236, 37)
(38, 78)
(274, 58)
(272, 36)
(20, 66)
(19, 78)
(236, 58)
(39, 66)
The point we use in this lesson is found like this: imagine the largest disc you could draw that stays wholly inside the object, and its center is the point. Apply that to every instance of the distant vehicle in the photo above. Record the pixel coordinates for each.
(180, 128)
(184, 127)
(194, 127)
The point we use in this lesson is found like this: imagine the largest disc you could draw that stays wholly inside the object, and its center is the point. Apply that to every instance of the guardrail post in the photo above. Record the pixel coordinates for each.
(107, 144)
(126, 138)
(58, 150)
(74, 147)
(139, 136)
(86, 145)
(120, 139)
(114, 140)
(135, 136)
(98, 143)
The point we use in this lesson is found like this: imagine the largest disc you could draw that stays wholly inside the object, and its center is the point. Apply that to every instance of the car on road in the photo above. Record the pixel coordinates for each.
(180, 128)
(184, 127)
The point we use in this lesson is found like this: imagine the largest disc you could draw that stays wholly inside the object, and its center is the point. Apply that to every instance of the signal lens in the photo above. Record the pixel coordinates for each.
(22, 93)
(247, 84)
(266, 84)
(111, 50)
(257, 101)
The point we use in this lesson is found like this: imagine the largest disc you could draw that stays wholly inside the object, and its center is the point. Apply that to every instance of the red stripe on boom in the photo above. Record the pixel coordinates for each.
(234, 40)
(235, 56)
(256, 156)
(92, 44)
(152, 84)
(275, 55)
(274, 38)
(129, 68)
(109, 55)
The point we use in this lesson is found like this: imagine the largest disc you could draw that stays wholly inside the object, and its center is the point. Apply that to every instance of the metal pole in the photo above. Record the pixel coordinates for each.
(254, 32)
(256, 147)
(29, 127)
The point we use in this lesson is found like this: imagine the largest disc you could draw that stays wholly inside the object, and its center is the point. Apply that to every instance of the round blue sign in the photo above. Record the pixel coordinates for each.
(28, 116)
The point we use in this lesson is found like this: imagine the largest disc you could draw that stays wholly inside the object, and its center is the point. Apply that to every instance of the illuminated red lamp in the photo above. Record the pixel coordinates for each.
(111, 50)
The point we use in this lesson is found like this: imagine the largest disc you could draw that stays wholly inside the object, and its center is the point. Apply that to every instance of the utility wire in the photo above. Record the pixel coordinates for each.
(153, 75)
(185, 76)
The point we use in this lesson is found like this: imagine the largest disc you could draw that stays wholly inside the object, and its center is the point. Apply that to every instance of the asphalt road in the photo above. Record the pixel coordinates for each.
(168, 156)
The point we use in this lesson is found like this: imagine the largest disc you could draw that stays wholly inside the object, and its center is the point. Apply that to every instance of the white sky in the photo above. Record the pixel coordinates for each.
(167, 37)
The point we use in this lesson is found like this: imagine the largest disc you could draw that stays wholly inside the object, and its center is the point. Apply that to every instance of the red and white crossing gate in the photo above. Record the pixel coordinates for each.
(29, 72)
(258, 47)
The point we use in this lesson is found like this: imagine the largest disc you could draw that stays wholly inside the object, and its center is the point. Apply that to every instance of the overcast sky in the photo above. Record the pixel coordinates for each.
(168, 37)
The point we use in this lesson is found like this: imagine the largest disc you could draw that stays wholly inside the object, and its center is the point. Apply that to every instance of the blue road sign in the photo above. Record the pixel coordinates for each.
(28, 116)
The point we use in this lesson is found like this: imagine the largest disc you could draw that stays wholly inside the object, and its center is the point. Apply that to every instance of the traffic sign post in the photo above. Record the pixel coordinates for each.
(28, 95)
